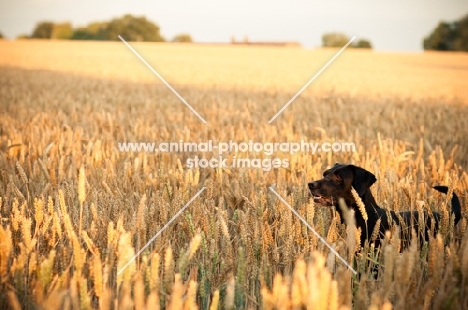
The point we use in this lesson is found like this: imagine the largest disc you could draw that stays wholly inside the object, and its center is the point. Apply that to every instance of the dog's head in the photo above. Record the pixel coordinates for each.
(337, 183)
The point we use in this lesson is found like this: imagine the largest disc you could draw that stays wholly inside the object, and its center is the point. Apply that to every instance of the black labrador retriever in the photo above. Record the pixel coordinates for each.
(338, 182)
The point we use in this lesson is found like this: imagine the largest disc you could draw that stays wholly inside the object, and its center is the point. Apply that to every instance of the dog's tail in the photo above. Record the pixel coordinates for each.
(456, 207)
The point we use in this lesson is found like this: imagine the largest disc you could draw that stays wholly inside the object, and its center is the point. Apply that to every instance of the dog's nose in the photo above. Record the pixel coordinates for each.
(313, 185)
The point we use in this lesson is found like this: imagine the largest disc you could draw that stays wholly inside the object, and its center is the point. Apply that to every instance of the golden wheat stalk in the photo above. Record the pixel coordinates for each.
(230, 289)
(194, 245)
(81, 194)
(6, 246)
(360, 204)
(168, 268)
(139, 292)
(215, 301)
(21, 173)
(13, 301)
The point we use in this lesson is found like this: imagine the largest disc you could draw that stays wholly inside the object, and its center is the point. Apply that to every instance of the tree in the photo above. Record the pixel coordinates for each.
(362, 44)
(129, 27)
(461, 38)
(94, 31)
(1, 35)
(62, 31)
(82, 34)
(43, 30)
(448, 36)
(182, 38)
(441, 38)
(133, 29)
(334, 39)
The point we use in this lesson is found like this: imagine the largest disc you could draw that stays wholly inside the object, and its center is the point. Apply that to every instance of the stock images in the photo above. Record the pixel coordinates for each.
(234, 155)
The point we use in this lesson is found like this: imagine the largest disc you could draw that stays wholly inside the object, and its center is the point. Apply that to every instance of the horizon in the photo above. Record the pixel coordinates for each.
(396, 26)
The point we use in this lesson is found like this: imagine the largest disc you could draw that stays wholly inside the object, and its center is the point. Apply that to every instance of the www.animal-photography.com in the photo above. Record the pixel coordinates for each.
(233, 155)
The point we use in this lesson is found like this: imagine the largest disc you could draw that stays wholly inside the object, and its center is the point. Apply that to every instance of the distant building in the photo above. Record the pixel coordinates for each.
(265, 43)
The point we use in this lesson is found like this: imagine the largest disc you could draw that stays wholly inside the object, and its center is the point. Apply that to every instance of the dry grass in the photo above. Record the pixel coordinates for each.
(74, 209)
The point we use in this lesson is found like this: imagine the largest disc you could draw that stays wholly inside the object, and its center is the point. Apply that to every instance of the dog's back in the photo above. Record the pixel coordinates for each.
(340, 181)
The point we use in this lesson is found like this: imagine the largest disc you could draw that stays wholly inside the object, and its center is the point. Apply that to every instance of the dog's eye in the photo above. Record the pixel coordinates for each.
(338, 178)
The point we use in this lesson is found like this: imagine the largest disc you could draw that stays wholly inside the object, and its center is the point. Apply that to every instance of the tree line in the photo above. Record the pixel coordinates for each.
(448, 36)
(131, 28)
(335, 39)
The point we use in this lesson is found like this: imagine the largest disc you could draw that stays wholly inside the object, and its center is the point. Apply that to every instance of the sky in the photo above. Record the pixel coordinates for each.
(391, 25)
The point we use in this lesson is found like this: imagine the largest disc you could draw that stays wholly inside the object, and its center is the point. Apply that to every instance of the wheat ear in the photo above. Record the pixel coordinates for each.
(360, 204)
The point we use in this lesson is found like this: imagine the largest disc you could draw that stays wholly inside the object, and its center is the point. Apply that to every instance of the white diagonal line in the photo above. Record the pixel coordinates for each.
(162, 79)
(161, 230)
(314, 231)
(312, 79)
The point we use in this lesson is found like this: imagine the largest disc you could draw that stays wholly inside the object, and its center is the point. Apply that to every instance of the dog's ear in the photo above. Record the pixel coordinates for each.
(362, 179)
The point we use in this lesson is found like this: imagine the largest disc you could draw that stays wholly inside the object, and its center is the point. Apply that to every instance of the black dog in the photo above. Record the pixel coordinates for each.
(337, 183)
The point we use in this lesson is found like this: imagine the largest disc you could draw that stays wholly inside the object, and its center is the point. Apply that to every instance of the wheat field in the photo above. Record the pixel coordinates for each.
(74, 209)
